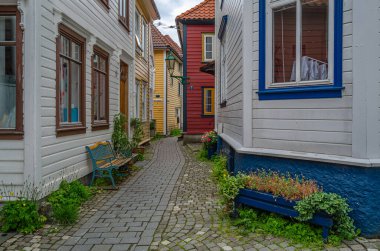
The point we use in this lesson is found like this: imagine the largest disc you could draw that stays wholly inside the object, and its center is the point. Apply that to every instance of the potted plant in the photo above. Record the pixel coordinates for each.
(209, 140)
(120, 140)
(137, 136)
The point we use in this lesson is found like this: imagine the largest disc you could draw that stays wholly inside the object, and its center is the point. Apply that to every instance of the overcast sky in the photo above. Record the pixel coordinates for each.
(169, 9)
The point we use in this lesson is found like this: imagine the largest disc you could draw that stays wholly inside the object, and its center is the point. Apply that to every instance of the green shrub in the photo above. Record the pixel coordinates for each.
(175, 132)
(140, 157)
(138, 132)
(120, 139)
(202, 155)
(66, 201)
(332, 204)
(21, 216)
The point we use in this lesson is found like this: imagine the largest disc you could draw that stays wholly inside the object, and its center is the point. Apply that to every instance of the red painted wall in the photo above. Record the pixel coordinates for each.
(196, 123)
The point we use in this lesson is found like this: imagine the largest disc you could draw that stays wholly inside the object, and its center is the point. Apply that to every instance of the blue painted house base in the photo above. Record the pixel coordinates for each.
(361, 186)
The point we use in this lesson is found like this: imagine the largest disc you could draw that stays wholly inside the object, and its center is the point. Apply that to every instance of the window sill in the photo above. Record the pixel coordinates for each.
(207, 115)
(100, 126)
(311, 92)
(11, 135)
(72, 130)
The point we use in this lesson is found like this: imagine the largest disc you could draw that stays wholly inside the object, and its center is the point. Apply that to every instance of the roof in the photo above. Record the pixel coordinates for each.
(205, 11)
(161, 41)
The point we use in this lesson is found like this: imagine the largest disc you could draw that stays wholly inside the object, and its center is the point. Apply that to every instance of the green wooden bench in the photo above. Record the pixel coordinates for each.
(104, 160)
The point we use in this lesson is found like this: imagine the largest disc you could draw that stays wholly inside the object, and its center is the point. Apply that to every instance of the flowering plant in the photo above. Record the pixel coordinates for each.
(209, 139)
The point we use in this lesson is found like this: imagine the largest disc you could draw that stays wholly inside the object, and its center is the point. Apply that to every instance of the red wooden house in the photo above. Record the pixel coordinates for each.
(196, 33)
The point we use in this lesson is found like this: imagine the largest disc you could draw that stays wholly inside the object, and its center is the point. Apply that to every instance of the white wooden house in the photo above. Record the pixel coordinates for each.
(298, 91)
(62, 64)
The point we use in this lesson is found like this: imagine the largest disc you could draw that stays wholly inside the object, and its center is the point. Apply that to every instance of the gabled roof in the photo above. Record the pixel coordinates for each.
(161, 41)
(205, 11)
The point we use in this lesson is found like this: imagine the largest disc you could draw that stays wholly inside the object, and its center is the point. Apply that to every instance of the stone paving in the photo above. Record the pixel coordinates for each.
(171, 204)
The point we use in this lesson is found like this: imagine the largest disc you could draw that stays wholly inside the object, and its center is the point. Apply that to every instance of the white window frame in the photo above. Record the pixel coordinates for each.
(138, 25)
(144, 37)
(269, 51)
(223, 72)
(204, 37)
(137, 99)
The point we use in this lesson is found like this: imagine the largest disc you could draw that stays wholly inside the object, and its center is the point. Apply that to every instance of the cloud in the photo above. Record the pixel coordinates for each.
(169, 9)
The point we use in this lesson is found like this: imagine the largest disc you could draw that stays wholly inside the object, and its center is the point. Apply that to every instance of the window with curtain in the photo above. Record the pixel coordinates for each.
(11, 99)
(138, 28)
(124, 13)
(100, 91)
(71, 80)
(301, 42)
(144, 36)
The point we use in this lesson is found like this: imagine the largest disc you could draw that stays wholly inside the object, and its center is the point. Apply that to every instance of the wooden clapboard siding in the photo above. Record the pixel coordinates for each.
(316, 125)
(11, 162)
(231, 116)
(61, 156)
(196, 123)
(158, 102)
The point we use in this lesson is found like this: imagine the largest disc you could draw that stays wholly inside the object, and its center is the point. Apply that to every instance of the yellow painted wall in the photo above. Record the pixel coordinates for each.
(158, 103)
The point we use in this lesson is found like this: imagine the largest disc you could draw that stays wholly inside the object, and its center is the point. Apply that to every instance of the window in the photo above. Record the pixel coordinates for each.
(138, 28)
(70, 82)
(11, 105)
(144, 101)
(223, 75)
(137, 99)
(100, 109)
(124, 13)
(306, 52)
(208, 101)
(208, 47)
(144, 38)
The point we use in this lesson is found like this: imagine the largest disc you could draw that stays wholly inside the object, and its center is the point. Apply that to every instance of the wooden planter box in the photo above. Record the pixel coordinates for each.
(279, 205)
(139, 149)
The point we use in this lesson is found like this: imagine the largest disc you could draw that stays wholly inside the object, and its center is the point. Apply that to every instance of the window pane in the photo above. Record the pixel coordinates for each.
(209, 101)
(76, 53)
(284, 44)
(208, 47)
(96, 61)
(96, 96)
(314, 61)
(65, 46)
(209, 55)
(75, 92)
(8, 87)
(102, 97)
(64, 90)
(7, 28)
(102, 64)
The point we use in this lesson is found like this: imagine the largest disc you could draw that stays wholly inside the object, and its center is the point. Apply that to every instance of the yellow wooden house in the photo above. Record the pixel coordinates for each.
(167, 98)
(145, 13)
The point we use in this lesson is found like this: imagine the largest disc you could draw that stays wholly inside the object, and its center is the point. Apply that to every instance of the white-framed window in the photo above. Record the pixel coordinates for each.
(208, 45)
(301, 33)
(144, 101)
(223, 73)
(138, 28)
(137, 99)
(144, 36)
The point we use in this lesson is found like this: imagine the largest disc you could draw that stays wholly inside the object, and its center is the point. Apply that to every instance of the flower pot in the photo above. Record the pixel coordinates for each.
(211, 151)
(276, 204)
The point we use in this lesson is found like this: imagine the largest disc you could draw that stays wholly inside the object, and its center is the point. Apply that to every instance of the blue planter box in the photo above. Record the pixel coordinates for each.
(211, 151)
(279, 205)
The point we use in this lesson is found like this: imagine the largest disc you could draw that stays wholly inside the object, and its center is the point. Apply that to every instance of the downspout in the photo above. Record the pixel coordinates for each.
(185, 77)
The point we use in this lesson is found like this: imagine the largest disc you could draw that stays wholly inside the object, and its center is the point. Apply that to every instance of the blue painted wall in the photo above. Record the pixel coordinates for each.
(361, 186)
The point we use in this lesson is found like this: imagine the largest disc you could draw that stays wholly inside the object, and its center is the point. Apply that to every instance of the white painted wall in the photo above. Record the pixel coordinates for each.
(231, 116)
(66, 155)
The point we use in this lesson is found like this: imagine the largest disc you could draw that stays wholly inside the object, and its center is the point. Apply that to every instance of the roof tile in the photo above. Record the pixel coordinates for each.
(203, 11)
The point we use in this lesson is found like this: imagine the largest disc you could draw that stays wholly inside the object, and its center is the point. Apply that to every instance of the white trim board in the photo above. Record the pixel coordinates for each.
(334, 159)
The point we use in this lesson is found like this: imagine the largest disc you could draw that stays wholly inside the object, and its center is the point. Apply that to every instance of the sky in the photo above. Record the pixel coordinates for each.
(169, 9)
